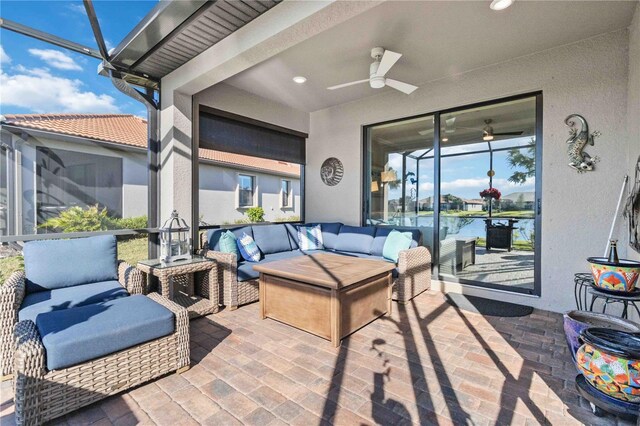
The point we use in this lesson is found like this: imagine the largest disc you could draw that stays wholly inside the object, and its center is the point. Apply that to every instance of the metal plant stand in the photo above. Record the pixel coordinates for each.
(582, 283)
(191, 283)
(626, 300)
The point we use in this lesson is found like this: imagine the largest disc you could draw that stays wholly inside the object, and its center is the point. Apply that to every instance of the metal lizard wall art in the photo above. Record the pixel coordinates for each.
(578, 139)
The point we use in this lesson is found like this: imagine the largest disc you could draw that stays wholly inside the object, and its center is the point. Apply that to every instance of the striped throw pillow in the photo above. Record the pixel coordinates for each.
(248, 248)
(310, 238)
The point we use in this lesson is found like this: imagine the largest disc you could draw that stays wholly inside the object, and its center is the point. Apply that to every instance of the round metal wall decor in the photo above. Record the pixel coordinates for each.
(331, 171)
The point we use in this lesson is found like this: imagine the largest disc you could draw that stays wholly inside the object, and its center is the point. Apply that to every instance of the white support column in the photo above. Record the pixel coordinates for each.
(176, 150)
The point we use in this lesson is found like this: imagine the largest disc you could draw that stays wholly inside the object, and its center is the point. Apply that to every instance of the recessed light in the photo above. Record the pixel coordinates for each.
(500, 4)
(445, 139)
(299, 79)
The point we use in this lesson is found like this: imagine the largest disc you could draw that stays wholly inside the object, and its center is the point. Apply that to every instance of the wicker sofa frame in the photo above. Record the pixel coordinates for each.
(13, 291)
(414, 276)
(42, 395)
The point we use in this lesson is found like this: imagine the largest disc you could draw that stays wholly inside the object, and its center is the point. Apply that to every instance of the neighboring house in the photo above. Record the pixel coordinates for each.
(519, 200)
(474, 205)
(66, 160)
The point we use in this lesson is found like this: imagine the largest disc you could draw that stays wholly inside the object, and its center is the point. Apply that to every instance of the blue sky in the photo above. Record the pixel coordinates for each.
(463, 176)
(37, 77)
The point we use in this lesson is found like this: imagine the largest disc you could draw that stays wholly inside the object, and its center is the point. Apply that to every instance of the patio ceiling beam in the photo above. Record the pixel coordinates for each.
(95, 27)
(48, 38)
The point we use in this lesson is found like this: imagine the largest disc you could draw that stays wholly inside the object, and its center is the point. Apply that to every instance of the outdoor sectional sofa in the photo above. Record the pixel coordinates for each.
(77, 328)
(411, 276)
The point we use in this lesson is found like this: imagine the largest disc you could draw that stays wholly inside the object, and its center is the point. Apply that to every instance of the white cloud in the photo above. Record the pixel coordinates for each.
(39, 91)
(77, 7)
(4, 58)
(56, 59)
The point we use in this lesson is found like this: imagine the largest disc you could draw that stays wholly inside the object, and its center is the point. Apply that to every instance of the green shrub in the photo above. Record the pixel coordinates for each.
(136, 222)
(77, 219)
(255, 214)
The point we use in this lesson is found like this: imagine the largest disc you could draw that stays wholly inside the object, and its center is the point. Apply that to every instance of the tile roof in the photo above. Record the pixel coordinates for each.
(129, 130)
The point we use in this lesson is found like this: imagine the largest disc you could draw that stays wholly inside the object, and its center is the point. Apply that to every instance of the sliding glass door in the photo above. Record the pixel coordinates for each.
(470, 179)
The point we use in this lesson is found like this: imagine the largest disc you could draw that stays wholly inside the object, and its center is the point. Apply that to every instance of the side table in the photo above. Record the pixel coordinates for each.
(465, 252)
(191, 283)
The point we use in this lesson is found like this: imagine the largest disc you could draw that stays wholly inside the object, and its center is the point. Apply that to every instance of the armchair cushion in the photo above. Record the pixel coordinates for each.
(69, 297)
(271, 238)
(65, 263)
(80, 334)
(355, 239)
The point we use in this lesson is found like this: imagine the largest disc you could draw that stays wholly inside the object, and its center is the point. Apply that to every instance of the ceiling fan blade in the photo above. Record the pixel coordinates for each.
(508, 133)
(389, 58)
(399, 85)
(340, 86)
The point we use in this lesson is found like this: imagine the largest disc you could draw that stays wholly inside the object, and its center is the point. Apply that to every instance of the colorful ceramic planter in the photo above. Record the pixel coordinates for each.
(610, 361)
(621, 276)
(576, 321)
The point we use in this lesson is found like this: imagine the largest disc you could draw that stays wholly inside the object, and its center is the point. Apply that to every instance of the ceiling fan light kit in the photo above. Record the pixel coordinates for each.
(500, 4)
(383, 61)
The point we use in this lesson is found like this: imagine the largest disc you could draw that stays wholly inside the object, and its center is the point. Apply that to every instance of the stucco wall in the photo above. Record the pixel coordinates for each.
(218, 195)
(633, 102)
(588, 77)
(231, 99)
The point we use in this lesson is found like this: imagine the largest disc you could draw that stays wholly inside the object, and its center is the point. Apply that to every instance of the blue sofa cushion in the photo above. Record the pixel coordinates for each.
(245, 269)
(292, 232)
(69, 297)
(271, 238)
(65, 263)
(383, 232)
(75, 335)
(213, 235)
(355, 239)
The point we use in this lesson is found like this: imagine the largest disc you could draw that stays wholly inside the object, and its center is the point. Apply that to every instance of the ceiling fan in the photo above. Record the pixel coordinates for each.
(488, 134)
(384, 60)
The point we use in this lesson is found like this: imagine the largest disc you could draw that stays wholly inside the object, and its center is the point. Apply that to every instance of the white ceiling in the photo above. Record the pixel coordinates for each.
(437, 39)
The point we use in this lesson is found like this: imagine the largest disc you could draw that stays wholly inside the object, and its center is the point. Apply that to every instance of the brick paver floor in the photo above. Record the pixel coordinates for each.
(428, 363)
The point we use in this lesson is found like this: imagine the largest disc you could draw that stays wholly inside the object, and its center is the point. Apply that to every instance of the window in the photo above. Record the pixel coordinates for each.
(68, 179)
(246, 191)
(286, 194)
(472, 185)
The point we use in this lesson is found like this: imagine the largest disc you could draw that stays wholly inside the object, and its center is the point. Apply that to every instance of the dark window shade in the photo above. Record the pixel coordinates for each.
(229, 135)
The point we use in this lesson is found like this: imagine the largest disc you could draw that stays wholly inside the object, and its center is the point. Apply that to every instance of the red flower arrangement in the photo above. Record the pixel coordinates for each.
(491, 193)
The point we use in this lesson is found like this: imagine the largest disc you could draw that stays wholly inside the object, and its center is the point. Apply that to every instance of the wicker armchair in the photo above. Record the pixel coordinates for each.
(13, 291)
(41, 395)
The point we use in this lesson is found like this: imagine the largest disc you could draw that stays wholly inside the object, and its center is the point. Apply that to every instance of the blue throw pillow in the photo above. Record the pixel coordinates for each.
(248, 248)
(310, 238)
(395, 243)
(228, 244)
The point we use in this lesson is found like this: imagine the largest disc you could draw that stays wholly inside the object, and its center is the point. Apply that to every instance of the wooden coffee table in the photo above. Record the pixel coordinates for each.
(328, 295)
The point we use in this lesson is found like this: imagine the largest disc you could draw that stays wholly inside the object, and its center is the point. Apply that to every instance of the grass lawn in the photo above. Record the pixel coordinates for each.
(131, 251)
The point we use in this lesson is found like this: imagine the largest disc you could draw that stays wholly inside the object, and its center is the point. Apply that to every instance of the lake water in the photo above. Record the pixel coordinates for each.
(475, 227)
